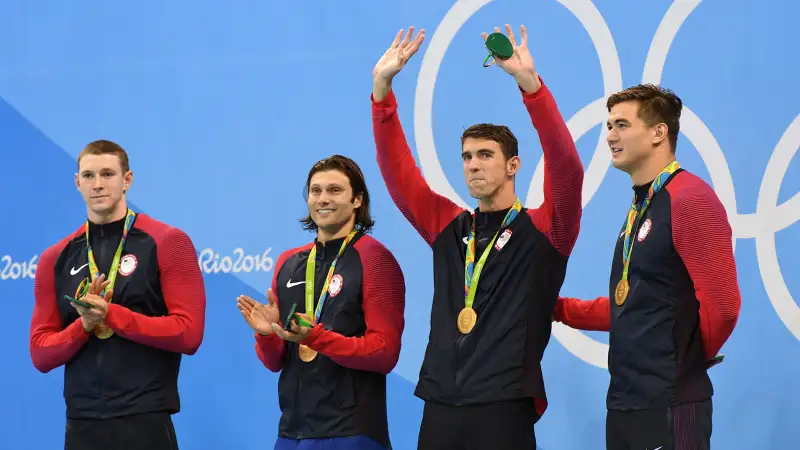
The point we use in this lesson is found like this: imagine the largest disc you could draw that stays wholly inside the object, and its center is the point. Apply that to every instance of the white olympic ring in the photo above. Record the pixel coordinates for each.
(768, 219)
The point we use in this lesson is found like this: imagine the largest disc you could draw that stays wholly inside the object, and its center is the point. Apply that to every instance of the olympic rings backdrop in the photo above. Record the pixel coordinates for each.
(224, 107)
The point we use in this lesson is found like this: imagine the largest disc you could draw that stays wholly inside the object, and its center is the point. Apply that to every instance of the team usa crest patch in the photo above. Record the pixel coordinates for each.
(127, 265)
(335, 286)
(503, 240)
(644, 230)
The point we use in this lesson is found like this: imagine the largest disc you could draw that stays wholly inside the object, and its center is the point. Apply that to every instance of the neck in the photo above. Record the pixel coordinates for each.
(329, 234)
(649, 169)
(118, 213)
(504, 198)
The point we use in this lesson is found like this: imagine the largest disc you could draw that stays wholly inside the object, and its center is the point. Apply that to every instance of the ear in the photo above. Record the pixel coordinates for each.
(128, 179)
(357, 200)
(660, 133)
(512, 165)
(77, 181)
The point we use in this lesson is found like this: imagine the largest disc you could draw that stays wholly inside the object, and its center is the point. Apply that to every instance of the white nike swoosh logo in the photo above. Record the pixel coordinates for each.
(290, 284)
(75, 271)
(466, 240)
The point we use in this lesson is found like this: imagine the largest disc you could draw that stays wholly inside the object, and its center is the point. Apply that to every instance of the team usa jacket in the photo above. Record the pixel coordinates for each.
(157, 314)
(341, 392)
(500, 359)
(683, 302)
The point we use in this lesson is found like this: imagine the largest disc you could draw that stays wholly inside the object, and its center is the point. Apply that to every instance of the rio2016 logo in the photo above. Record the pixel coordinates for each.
(768, 219)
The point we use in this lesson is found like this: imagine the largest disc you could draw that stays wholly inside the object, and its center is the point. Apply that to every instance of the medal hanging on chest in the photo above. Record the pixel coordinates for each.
(102, 331)
(306, 353)
(635, 214)
(467, 318)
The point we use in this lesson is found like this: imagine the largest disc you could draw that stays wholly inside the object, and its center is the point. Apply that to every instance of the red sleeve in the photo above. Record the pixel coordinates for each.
(559, 216)
(383, 292)
(271, 349)
(181, 330)
(428, 212)
(51, 345)
(702, 237)
(589, 315)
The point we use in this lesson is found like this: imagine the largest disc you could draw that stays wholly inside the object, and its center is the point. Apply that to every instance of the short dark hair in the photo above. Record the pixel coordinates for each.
(656, 105)
(105, 147)
(497, 133)
(353, 173)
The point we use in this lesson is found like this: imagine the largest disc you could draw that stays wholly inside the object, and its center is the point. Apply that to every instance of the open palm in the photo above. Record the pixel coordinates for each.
(398, 54)
(260, 317)
(522, 61)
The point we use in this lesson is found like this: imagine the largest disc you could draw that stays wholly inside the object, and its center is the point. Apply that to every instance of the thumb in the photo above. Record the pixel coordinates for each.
(271, 297)
(108, 295)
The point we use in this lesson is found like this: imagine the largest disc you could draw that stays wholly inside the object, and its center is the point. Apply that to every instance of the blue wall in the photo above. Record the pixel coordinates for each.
(223, 114)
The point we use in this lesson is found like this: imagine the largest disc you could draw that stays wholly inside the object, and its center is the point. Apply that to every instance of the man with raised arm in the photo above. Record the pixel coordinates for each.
(497, 269)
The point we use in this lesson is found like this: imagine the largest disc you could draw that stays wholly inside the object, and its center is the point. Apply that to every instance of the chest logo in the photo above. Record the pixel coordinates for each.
(644, 230)
(503, 240)
(335, 285)
(127, 265)
(289, 283)
(74, 271)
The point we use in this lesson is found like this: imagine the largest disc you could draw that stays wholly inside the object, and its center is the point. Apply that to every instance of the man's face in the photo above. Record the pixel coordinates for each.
(102, 183)
(330, 200)
(630, 140)
(485, 167)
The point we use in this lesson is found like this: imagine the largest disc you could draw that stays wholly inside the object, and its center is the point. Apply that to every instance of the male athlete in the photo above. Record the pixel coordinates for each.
(117, 303)
(497, 270)
(349, 294)
(673, 283)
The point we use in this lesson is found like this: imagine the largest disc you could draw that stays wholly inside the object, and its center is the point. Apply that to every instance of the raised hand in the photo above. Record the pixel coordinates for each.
(520, 65)
(260, 317)
(394, 59)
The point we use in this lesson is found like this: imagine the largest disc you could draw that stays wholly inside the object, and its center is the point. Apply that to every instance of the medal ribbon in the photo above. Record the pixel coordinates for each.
(310, 272)
(634, 213)
(471, 275)
(94, 272)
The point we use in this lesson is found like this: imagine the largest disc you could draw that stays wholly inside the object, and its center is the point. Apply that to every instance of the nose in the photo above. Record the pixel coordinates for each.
(612, 136)
(473, 165)
(323, 198)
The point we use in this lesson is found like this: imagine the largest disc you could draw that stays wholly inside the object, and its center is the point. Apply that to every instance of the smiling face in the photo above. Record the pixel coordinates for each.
(331, 203)
(629, 138)
(103, 182)
(643, 125)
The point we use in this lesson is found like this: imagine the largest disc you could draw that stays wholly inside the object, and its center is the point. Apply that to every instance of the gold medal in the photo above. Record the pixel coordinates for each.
(306, 353)
(621, 293)
(466, 320)
(103, 332)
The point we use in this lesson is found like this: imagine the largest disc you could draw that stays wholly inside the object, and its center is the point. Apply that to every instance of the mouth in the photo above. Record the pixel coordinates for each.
(326, 210)
(98, 197)
(615, 150)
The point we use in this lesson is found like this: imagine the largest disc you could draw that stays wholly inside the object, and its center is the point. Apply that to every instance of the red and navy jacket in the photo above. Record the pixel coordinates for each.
(341, 392)
(683, 302)
(157, 313)
(500, 359)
